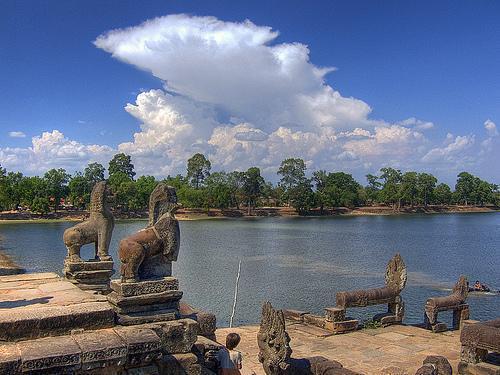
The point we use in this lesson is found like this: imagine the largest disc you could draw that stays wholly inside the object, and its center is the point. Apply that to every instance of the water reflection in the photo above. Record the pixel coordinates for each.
(301, 263)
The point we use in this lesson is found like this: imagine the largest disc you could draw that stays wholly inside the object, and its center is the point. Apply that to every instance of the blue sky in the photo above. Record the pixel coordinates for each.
(420, 82)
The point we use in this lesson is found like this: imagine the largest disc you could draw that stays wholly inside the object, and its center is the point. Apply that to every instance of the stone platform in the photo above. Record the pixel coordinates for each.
(367, 351)
(145, 301)
(43, 304)
(89, 275)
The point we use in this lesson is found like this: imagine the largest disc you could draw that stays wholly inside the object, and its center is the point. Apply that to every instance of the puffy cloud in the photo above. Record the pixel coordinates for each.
(17, 134)
(491, 128)
(52, 150)
(232, 92)
(454, 151)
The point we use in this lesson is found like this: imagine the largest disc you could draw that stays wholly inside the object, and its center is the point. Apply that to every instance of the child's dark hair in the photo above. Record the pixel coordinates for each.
(232, 341)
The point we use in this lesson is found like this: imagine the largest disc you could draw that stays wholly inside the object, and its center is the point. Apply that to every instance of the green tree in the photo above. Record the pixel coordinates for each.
(218, 191)
(373, 187)
(121, 163)
(390, 193)
(79, 191)
(94, 172)
(320, 182)
(144, 187)
(120, 184)
(198, 168)
(425, 185)
(442, 194)
(11, 189)
(464, 187)
(409, 187)
(236, 179)
(40, 205)
(4, 197)
(297, 188)
(57, 188)
(32, 188)
(252, 187)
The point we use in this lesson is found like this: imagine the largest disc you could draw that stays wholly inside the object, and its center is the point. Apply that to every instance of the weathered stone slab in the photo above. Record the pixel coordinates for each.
(143, 345)
(88, 276)
(30, 323)
(177, 336)
(180, 364)
(102, 348)
(147, 299)
(315, 320)
(90, 265)
(10, 358)
(147, 317)
(295, 315)
(335, 314)
(170, 305)
(342, 327)
(207, 322)
(57, 354)
(144, 287)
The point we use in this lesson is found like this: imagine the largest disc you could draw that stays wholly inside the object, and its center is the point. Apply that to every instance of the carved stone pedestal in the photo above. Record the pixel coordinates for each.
(89, 275)
(145, 301)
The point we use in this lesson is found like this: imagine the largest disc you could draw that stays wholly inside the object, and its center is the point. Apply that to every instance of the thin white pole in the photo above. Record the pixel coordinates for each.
(235, 295)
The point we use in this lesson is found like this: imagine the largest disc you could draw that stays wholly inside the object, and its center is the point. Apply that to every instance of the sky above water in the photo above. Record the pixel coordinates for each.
(345, 85)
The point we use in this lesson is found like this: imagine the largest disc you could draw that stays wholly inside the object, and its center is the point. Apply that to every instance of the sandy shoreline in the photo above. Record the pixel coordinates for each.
(200, 214)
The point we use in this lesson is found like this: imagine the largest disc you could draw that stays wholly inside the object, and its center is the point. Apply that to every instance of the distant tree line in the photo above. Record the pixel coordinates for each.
(202, 188)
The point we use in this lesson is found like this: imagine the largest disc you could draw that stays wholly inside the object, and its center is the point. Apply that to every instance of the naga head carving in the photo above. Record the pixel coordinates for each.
(273, 341)
(462, 288)
(395, 273)
(163, 200)
(99, 197)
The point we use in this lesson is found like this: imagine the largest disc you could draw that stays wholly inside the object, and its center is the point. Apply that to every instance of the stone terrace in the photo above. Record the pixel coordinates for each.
(367, 351)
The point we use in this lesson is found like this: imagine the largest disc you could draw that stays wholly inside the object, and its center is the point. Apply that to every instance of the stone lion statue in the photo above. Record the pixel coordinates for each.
(149, 253)
(96, 229)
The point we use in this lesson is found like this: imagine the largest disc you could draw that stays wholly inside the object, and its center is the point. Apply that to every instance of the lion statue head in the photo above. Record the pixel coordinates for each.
(162, 200)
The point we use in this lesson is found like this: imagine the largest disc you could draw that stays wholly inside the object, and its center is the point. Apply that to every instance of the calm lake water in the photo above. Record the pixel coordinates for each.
(300, 263)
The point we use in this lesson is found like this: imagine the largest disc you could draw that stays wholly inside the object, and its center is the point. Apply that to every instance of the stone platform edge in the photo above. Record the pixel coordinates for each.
(157, 345)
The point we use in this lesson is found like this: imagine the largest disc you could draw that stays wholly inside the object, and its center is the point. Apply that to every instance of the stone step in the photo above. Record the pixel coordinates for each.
(34, 322)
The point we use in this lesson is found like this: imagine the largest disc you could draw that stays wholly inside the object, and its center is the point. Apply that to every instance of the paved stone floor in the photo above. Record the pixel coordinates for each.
(39, 290)
(367, 351)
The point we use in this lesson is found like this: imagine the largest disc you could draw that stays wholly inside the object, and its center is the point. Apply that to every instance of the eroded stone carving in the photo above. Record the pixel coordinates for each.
(275, 351)
(97, 229)
(478, 340)
(454, 302)
(149, 253)
(147, 292)
(395, 281)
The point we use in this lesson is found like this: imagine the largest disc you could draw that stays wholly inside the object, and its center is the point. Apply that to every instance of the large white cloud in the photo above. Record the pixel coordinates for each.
(52, 150)
(232, 92)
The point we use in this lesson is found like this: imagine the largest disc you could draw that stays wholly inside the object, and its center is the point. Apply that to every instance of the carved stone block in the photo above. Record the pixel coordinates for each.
(207, 322)
(57, 354)
(334, 314)
(295, 315)
(103, 348)
(10, 359)
(180, 364)
(144, 287)
(177, 336)
(342, 327)
(89, 275)
(145, 301)
(143, 345)
(314, 320)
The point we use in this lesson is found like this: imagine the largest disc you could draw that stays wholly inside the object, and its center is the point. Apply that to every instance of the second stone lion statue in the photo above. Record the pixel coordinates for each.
(149, 253)
(97, 229)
